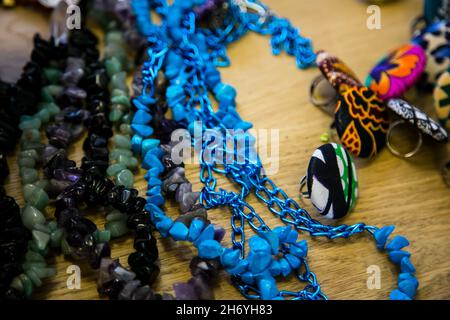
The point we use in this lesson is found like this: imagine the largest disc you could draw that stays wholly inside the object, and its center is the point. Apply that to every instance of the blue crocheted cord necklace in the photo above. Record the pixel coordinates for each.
(189, 56)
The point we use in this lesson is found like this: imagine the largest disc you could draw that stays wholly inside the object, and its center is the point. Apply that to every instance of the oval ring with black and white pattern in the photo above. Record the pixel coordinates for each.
(418, 119)
(331, 181)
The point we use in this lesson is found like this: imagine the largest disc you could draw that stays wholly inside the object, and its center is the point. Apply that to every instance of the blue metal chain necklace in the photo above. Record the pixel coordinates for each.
(189, 56)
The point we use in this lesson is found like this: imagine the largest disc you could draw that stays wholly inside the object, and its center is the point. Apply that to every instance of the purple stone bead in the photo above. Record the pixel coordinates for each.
(185, 291)
(201, 287)
(219, 233)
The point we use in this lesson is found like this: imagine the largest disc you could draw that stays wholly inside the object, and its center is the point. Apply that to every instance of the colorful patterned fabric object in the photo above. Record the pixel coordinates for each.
(332, 181)
(397, 72)
(418, 119)
(442, 99)
(362, 121)
(434, 39)
(336, 72)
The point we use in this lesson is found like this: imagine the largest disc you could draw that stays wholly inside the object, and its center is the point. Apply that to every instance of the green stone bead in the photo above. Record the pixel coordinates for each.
(52, 74)
(33, 277)
(17, 284)
(51, 107)
(26, 162)
(30, 265)
(35, 196)
(103, 236)
(27, 284)
(31, 135)
(122, 141)
(43, 115)
(117, 228)
(53, 225)
(114, 155)
(32, 245)
(30, 145)
(42, 228)
(29, 175)
(29, 153)
(56, 237)
(125, 129)
(113, 66)
(115, 115)
(118, 81)
(125, 178)
(114, 36)
(41, 239)
(118, 92)
(123, 159)
(32, 256)
(43, 184)
(122, 100)
(116, 215)
(65, 248)
(127, 118)
(55, 90)
(46, 96)
(33, 123)
(133, 163)
(31, 216)
(115, 169)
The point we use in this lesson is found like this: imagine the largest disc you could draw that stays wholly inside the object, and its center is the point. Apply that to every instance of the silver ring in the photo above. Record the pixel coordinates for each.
(318, 103)
(395, 151)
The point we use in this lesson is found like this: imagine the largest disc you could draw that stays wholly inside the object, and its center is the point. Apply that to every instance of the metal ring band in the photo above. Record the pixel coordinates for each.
(395, 151)
(314, 85)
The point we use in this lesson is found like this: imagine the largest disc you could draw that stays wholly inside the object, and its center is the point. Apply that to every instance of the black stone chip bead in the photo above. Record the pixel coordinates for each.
(4, 169)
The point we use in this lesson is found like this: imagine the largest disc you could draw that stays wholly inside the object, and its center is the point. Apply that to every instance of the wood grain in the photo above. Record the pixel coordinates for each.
(273, 94)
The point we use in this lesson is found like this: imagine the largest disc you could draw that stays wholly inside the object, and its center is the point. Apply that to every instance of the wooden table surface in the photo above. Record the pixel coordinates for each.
(273, 94)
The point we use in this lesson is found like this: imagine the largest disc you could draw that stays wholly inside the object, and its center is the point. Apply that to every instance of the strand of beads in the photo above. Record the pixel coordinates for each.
(14, 236)
(189, 90)
(51, 57)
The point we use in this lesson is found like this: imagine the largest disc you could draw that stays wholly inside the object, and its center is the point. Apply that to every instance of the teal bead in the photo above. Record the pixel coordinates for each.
(122, 141)
(397, 243)
(207, 234)
(143, 130)
(29, 175)
(179, 231)
(257, 244)
(285, 268)
(35, 196)
(41, 239)
(115, 169)
(149, 144)
(275, 268)
(150, 161)
(32, 216)
(381, 236)
(409, 287)
(164, 225)
(210, 249)
(117, 228)
(32, 123)
(142, 117)
(299, 249)
(259, 261)
(398, 295)
(272, 240)
(397, 256)
(293, 261)
(230, 258)
(26, 162)
(125, 178)
(406, 266)
(268, 288)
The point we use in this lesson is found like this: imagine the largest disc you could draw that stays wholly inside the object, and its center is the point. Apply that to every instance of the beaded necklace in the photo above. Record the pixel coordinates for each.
(189, 56)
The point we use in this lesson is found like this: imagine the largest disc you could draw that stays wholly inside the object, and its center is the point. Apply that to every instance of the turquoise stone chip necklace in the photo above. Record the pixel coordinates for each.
(189, 56)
